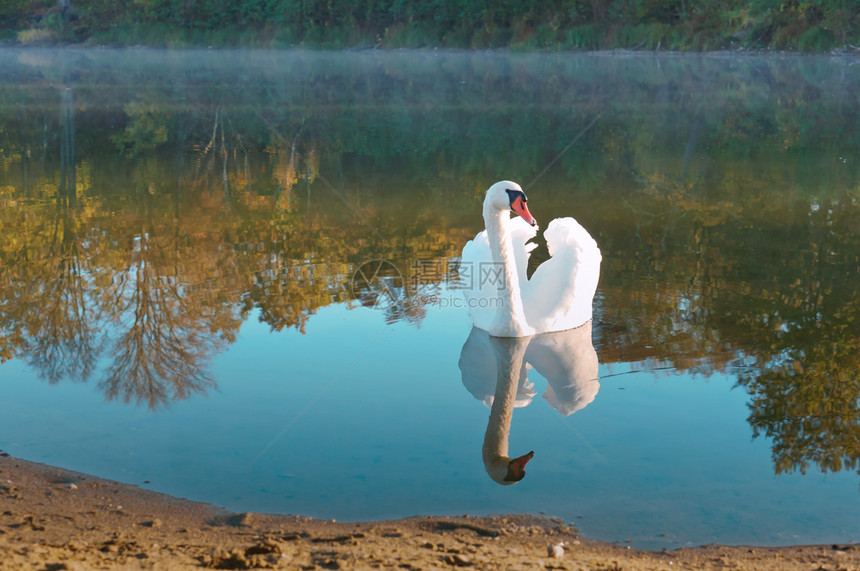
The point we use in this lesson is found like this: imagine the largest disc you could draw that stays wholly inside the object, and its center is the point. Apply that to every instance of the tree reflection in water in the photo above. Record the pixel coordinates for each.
(165, 335)
(726, 215)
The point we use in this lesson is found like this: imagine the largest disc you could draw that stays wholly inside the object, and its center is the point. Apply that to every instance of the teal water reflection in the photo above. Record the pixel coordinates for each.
(181, 302)
(299, 427)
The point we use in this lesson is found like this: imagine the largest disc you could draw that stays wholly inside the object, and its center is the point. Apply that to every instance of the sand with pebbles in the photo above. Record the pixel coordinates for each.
(52, 519)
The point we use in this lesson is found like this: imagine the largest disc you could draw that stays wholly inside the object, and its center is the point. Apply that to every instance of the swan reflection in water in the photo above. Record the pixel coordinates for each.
(495, 370)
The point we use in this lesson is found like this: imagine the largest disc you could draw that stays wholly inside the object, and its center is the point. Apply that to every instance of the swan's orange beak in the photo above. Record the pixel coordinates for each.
(519, 206)
(517, 466)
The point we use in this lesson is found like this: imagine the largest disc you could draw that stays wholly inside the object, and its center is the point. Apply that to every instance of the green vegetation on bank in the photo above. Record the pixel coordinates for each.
(815, 25)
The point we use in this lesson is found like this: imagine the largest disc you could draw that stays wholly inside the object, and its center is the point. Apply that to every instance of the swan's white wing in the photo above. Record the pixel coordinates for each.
(476, 255)
(568, 361)
(480, 277)
(560, 293)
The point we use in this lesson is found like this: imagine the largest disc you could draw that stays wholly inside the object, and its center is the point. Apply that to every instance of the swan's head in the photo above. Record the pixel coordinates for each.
(506, 195)
(507, 471)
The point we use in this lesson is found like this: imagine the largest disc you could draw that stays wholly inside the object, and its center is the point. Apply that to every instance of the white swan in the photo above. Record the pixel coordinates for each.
(501, 299)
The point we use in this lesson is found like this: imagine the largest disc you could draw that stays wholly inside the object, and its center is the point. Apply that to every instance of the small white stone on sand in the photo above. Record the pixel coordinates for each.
(556, 551)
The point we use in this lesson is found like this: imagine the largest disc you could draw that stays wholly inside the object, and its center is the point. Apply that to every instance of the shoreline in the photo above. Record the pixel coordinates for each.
(53, 518)
(847, 50)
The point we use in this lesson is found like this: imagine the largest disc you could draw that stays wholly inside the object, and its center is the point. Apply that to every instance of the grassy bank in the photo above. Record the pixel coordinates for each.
(697, 25)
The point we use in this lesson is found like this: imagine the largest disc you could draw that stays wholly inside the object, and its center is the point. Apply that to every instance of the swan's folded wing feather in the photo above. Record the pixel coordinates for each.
(476, 291)
(560, 293)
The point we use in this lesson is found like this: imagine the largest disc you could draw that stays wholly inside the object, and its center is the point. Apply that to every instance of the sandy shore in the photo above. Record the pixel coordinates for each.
(52, 519)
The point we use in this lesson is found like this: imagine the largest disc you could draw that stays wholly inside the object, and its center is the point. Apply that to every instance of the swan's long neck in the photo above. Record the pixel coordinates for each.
(510, 318)
(509, 360)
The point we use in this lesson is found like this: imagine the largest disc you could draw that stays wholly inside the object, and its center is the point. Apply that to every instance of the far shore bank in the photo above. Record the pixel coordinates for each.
(847, 50)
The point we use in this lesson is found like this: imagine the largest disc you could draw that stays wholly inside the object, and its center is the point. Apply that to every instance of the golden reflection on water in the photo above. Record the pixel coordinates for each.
(144, 223)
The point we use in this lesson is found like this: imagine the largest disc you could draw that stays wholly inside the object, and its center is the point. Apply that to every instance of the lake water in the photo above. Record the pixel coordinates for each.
(231, 277)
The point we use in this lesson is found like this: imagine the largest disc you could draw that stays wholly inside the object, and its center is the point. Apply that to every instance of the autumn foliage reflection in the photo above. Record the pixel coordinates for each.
(727, 246)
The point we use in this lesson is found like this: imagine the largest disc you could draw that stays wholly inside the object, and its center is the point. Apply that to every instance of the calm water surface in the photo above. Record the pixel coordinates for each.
(233, 277)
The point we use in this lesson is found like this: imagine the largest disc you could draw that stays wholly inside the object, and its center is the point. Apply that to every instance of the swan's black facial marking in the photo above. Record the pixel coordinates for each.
(514, 194)
(518, 201)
